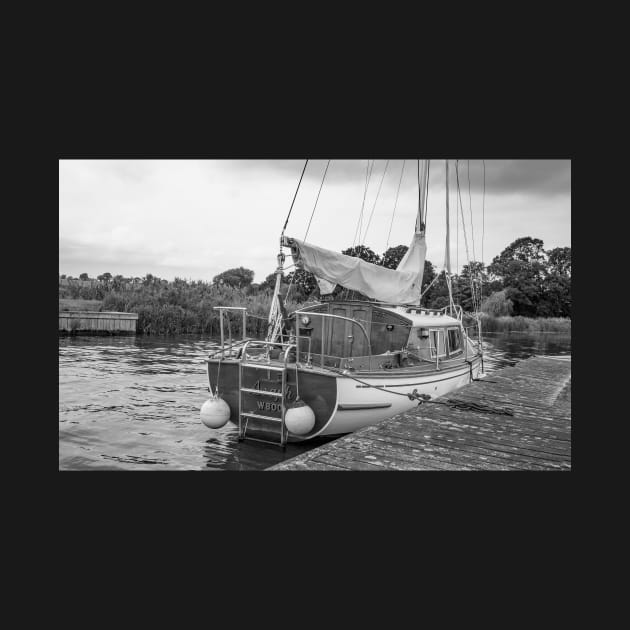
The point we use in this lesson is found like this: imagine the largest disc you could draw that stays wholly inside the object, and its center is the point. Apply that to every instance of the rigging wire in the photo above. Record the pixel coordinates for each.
(461, 207)
(368, 175)
(473, 272)
(316, 200)
(426, 196)
(274, 311)
(483, 226)
(457, 222)
(364, 201)
(395, 204)
(375, 200)
(294, 197)
(472, 226)
(437, 275)
(457, 246)
(419, 195)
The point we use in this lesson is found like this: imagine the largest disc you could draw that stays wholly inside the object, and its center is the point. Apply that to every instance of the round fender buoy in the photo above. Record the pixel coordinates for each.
(215, 412)
(299, 418)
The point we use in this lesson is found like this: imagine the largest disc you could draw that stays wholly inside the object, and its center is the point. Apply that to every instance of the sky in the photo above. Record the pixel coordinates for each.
(194, 219)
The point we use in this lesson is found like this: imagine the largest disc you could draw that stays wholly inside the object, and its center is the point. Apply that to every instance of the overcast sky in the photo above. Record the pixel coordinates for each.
(196, 218)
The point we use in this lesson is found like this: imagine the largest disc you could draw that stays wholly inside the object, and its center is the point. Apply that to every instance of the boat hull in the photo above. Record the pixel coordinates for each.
(377, 398)
(343, 403)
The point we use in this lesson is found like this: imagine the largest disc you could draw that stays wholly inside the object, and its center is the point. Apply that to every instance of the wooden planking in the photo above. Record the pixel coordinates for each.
(97, 321)
(441, 437)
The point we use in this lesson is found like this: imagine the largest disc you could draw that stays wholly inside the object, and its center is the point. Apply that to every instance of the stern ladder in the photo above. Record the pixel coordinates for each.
(247, 363)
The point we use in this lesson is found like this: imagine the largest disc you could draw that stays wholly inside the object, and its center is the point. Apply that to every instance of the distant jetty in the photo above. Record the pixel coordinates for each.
(97, 323)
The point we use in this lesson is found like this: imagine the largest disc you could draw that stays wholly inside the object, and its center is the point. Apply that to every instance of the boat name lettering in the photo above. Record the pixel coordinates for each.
(268, 406)
(265, 385)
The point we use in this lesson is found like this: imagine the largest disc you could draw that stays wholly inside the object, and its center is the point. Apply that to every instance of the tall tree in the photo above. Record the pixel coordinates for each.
(269, 283)
(428, 275)
(238, 277)
(497, 304)
(521, 267)
(525, 249)
(363, 252)
(392, 257)
(304, 284)
(472, 274)
(559, 260)
(556, 300)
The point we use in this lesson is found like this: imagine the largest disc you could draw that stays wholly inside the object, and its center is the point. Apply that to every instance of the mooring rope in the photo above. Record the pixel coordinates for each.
(216, 393)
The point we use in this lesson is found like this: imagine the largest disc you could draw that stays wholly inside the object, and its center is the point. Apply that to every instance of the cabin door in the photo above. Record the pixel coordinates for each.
(345, 338)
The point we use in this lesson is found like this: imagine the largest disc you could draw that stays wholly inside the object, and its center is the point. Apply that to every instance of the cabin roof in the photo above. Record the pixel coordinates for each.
(423, 318)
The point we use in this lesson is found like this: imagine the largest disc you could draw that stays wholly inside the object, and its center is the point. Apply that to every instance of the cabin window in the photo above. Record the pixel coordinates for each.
(454, 341)
(438, 345)
(413, 343)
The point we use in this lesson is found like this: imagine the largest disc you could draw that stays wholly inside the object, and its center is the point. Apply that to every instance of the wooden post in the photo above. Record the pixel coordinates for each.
(221, 322)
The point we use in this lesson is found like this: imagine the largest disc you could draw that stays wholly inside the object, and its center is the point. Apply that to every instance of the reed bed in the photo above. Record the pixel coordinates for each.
(518, 323)
(79, 305)
(182, 307)
(190, 309)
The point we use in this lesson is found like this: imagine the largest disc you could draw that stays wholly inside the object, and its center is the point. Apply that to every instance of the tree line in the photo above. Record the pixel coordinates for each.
(523, 280)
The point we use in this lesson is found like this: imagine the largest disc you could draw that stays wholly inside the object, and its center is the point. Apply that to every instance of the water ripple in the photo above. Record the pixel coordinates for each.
(132, 403)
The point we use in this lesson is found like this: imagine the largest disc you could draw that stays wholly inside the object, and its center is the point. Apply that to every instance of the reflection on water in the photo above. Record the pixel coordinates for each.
(132, 403)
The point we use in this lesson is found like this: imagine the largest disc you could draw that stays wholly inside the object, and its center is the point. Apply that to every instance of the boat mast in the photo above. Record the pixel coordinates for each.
(275, 315)
(447, 254)
(274, 327)
(447, 261)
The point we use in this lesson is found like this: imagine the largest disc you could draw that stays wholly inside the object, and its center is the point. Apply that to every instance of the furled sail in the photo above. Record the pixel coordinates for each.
(398, 286)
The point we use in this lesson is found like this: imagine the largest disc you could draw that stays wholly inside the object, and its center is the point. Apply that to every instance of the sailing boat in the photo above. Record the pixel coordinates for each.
(342, 364)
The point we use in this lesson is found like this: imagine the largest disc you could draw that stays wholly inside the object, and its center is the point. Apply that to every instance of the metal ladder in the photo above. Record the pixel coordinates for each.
(246, 363)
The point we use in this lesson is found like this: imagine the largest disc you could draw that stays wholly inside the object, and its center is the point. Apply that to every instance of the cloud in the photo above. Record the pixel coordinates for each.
(197, 218)
(537, 177)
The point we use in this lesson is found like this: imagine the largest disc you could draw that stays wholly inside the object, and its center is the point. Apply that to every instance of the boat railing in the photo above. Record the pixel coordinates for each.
(474, 330)
(455, 308)
(325, 317)
(232, 347)
(268, 346)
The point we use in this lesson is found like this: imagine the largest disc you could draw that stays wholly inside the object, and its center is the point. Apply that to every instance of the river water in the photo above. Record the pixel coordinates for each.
(132, 403)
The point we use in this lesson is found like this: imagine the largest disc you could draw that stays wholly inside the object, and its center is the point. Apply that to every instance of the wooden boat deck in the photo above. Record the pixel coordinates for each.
(443, 437)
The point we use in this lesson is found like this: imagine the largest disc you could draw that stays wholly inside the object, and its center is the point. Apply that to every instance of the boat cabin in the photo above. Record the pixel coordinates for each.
(368, 336)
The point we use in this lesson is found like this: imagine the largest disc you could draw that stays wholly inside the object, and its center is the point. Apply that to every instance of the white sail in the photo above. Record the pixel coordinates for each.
(396, 286)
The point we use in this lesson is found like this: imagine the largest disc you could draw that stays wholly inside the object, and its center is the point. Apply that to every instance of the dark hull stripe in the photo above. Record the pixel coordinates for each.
(359, 406)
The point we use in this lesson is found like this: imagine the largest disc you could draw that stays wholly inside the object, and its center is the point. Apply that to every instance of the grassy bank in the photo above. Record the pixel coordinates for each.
(181, 307)
(525, 324)
(80, 305)
(190, 309)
